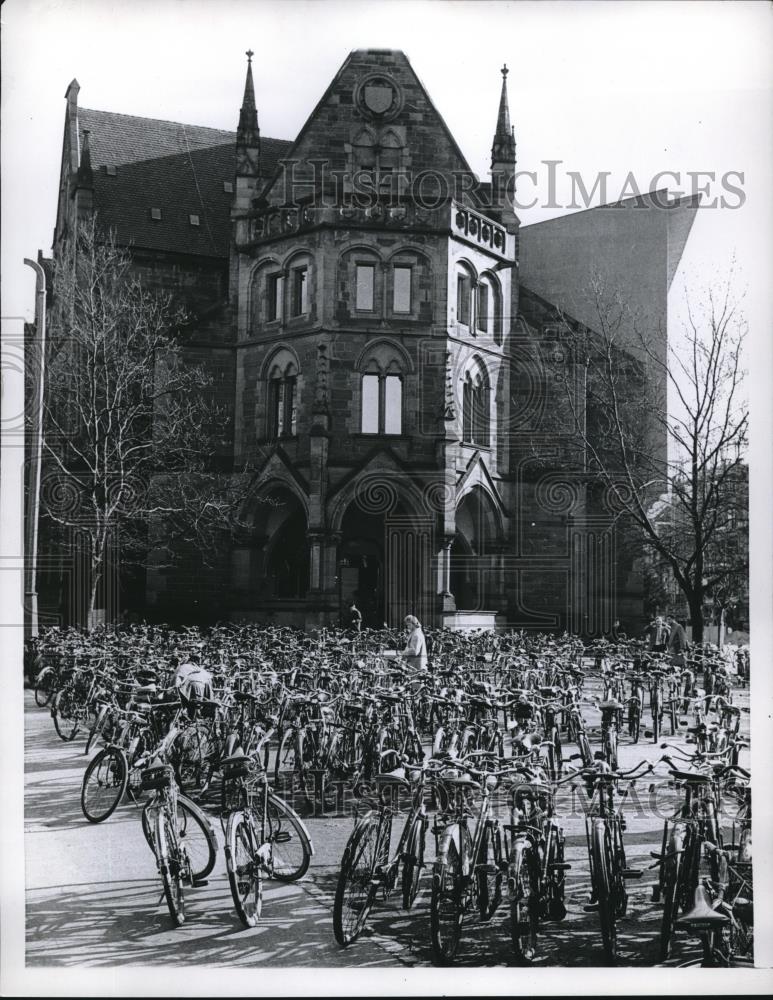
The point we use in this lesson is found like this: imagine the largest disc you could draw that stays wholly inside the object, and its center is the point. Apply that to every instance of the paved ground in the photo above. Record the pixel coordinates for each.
(94, 898)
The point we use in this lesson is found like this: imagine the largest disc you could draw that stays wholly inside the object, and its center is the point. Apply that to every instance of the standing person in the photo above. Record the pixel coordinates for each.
(355, 617)
(677, 641)
(657, 635)
(415, 652)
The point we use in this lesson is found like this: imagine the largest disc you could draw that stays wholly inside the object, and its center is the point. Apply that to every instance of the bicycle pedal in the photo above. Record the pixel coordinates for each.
(632, 873)
(196, 882)
(655, 894)
(657, 855)
(559, 866)
(590, 907)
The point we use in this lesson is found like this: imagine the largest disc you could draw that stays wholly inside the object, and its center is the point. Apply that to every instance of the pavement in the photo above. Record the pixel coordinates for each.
(94, 899)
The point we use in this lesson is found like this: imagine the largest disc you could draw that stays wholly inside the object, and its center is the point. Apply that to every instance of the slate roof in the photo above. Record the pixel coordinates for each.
(177, 168)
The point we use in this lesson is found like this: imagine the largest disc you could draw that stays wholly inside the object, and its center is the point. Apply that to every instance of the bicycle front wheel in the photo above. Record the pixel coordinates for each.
(447, 902)
(104, 784)
(245, 869)
(169, 867)
(356, 887)
(194, 831)
(674, 890)
(524, 916)
(413, 863)
(602, 889)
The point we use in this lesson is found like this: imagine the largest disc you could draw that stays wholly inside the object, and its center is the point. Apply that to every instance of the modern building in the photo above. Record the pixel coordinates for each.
(386, 336)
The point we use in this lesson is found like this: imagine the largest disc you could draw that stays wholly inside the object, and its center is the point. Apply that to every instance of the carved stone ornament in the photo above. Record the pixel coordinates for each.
(378, 97)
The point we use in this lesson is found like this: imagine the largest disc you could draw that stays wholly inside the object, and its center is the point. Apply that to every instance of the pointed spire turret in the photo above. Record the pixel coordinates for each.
(503, 148)
(248, 132)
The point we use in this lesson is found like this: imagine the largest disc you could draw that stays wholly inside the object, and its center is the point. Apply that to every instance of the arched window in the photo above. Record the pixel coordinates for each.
(465, 283)
(282, 396)
(381, 396)
(476, 406)
(490, 307)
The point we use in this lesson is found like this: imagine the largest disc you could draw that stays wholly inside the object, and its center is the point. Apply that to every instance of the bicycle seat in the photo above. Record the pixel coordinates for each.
(610, 706)
(530, 741)
(245, 696)
(458, 780)
(396, 777)
(235, 766)
(690, 777)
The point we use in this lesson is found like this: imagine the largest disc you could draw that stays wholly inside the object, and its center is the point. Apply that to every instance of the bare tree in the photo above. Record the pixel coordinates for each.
(675, 472)
(133, 427)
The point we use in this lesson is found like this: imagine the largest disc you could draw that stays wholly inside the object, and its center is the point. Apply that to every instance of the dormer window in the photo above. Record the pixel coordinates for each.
(194, 220)
(155, 214)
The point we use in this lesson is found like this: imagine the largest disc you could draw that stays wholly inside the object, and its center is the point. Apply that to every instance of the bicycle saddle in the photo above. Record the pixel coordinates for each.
(396, 777)
(530, 741)
(691, 777)
(453, 777)
(610, 706)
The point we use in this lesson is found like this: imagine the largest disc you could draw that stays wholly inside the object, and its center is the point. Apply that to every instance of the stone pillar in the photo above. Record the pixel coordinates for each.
(447, 601)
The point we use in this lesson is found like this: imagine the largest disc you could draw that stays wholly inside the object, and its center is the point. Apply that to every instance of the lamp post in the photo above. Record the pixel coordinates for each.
(33, 513)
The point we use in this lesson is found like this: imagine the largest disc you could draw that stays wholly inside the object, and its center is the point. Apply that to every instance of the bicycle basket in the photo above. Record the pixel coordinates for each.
(155, 778)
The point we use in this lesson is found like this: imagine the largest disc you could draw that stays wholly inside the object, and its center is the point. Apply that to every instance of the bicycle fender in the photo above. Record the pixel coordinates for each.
(296, 817)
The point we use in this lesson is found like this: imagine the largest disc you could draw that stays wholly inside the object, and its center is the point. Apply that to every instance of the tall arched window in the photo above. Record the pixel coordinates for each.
(476, 406)
(282, 396)
(465, 284)
(490, 307)
(381, 391)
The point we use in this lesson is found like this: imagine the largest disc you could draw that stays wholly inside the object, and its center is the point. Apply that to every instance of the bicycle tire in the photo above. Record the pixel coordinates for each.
(44, 687)
(197, 831)
(558, 751)
(584, 747)
(634, 723)
(356, 889)
(524, 903)
(413, 862)
(104, 784)
(655, 719)
(673, 876)
(447, 901)
(294, 860)
(488, 872)
(167, 857)
(66, 725)
(245, 869)
(289, 762)
(602, 886)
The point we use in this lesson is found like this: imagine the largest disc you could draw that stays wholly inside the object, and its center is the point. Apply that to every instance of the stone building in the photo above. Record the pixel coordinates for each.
(385, 334)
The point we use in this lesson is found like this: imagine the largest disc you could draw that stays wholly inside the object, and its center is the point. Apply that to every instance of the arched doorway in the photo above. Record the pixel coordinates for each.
(384, 563)
(473, 565)
(271, 565)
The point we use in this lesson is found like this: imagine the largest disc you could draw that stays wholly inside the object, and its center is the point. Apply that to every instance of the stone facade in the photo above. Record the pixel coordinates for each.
(390, 382)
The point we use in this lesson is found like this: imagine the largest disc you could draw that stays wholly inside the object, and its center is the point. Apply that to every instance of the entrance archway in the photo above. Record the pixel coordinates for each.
(473, 562)
(384, 563)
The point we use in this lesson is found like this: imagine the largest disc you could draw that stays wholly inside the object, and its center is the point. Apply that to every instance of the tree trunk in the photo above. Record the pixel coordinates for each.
(695, 602)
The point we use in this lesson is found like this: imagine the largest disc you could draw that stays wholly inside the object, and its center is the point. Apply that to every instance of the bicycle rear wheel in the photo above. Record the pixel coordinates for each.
(65, 714)
(602, 889)
(447, 902)
(44, 687)
(524, 902)
(245, 869)
(291, 847)
(672, 890)
(356, 888)
(104, 784)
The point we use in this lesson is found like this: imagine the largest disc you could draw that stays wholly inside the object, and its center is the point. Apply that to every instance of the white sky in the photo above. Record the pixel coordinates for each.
(640, 87)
